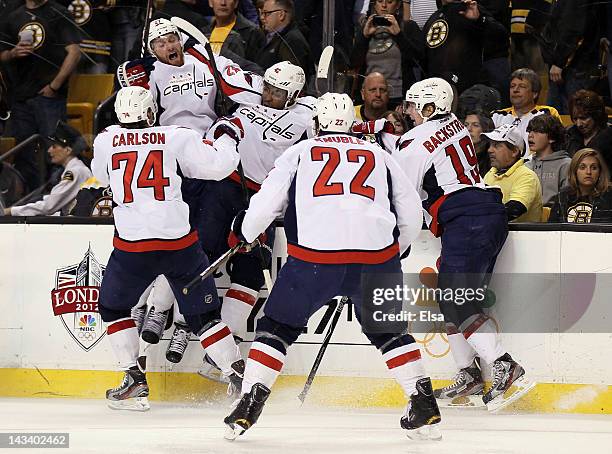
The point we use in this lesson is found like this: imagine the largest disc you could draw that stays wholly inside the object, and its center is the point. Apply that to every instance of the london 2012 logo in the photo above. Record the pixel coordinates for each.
(75, 300)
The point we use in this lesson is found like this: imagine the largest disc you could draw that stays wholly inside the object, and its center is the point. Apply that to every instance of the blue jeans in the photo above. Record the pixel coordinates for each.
(38, 115)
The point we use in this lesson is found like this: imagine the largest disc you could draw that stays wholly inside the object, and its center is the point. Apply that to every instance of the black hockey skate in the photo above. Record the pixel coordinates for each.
(467, 384)
(422, 413)
(247, 411)
(154, 326)
(506, 374)
(235, 379)
(131, 394)
(178, 344)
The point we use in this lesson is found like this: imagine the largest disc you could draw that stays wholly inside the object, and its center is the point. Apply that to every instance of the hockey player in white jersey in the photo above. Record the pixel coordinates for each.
(153, 235)
(348, 214)
(181, 79)
(270, 128)
(439, 158)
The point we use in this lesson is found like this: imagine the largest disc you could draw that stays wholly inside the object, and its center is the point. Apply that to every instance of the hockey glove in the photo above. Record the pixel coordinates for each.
(236, 237)
(373, 127)
(136, 72)
(231, 126)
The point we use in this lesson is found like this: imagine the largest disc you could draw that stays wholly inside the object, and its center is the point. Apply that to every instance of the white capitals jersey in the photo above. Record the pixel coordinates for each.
(439, 158)
(141, 166)
(268, 133)
(186, 94)
(344, 200)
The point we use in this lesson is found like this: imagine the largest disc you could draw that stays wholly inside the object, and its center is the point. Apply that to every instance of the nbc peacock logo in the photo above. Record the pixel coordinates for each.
(75, 300)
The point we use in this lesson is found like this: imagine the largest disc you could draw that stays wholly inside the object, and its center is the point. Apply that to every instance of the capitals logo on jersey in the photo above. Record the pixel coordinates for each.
(269, 121)
(185, 82)
(75, 300)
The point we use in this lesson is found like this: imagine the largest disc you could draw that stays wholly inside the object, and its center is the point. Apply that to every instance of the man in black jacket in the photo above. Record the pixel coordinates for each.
(571, 48)
(284, 41)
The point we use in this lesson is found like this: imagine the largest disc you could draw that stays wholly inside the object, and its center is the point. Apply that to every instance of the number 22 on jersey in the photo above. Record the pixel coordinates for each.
(323, 186)
(151, 175)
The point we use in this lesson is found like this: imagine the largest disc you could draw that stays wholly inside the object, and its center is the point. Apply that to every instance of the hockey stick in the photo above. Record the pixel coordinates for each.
(145, 29)
(324, 64)
(324, 345)
(212, 268)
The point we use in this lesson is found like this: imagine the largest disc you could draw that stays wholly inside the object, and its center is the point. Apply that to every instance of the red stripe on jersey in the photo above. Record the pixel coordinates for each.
(120, 326)
(156, 245)
(343, 257)
(404, 358)
(474, 326)
(241, 296)
(435, 228)
(228, 89)
(208, 341)
(250, 184)
(265, 359)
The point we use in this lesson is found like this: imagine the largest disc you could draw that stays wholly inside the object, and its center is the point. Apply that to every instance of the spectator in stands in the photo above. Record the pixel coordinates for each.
(478, 122)
(96, 34)
(284, 40)
(66, 145)
(126, 22)
(525, 88)
(391, 44)
(375, 95)
(587, 198)
(590, 129)
(520, 187)
(231, 29)
(550, 161)
(571, 49)
(496, 51)
(41, 54)
(528, 17)
(400, 125)
(478, 97)
(455, 36)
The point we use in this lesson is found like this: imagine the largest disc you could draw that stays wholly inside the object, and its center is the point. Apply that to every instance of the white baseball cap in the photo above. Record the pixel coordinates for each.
(507, 133)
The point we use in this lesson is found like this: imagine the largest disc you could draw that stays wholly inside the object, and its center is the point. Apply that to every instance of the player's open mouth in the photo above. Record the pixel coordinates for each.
(531, 144)
(172, 56)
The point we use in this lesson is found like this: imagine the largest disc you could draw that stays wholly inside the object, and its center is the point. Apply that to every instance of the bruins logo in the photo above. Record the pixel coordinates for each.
(580, 213)
(103, 207)
(81, 11)
(38, 33)
(437, 33)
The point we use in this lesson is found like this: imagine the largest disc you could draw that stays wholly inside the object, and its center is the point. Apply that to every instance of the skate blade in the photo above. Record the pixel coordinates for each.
(133, 404)
(425, 433)
(521, 387)
(213, 374)
(233, 431)
(472, 401)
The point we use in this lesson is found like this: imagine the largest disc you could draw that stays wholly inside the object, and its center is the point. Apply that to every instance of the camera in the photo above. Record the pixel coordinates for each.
(380, 21)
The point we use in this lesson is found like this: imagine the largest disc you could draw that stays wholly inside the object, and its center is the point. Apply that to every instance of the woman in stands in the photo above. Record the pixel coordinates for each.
(590, 129)
(390, 43)
(588, 196)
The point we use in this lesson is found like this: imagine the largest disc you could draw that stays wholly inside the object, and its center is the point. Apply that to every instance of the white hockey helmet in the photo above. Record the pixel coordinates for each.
(288, 77)
(335, 112)
(434, 91)
(160, 27)
(132, 105)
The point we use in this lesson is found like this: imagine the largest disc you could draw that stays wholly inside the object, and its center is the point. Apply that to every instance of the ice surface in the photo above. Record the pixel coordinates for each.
(179, 428)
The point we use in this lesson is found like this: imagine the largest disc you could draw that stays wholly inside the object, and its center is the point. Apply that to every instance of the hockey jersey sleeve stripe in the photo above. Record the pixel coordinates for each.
(157, 244)
(265, 359)
(473, 327)
(227, 88)
(250, 184)
(343, 257)
(120, 325)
